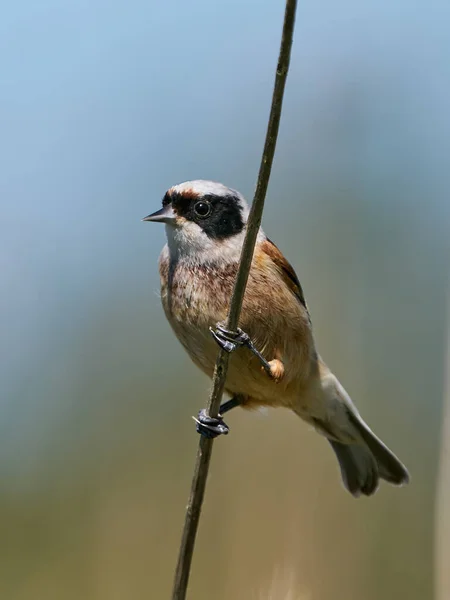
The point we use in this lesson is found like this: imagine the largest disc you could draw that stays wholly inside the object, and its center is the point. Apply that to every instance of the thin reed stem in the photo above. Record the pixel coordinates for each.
(220, 372)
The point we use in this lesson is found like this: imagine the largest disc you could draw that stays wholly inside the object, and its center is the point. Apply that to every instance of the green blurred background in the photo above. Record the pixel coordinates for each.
(103, 106)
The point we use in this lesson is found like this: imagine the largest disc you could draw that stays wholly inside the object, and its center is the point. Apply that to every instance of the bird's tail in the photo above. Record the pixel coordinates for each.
(389, 466)
(363, 457)
(362, 466)
(359, 469)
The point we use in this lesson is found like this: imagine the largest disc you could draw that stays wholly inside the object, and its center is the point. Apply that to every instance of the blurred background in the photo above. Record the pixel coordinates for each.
(103, 106)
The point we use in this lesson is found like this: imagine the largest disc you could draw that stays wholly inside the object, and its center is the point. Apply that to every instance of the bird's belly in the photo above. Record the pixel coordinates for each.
(279, 329)
(245, 375)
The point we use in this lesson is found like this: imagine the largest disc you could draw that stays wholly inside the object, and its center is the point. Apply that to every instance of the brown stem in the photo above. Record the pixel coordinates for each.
(254, 221)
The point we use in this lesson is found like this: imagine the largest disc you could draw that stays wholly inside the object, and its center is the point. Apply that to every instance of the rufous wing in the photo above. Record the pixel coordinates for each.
(285, 269)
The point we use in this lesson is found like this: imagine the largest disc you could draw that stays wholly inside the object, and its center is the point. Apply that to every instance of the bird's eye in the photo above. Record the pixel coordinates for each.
(202, 209)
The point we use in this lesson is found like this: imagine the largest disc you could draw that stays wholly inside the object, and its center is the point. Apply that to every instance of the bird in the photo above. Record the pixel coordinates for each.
(273, 357)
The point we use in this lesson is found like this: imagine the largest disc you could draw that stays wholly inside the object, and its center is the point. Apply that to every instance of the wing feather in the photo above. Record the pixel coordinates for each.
(285, 269)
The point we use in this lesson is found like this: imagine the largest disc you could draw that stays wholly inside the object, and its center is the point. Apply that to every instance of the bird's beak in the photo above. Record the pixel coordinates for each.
(165, 215)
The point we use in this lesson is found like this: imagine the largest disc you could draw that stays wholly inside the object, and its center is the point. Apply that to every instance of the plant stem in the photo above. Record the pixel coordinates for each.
(254, 221)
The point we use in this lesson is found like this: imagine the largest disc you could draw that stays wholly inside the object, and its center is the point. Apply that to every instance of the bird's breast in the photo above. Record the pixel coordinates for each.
(196, 297)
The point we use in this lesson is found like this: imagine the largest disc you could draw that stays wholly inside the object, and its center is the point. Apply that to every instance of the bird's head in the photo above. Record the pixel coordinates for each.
(204, 220)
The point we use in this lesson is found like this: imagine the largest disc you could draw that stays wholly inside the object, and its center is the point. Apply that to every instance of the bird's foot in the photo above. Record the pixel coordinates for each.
(230, 340)
(210, 427)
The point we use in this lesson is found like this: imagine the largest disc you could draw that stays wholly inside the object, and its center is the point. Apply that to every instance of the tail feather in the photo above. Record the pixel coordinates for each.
(362, 456)
(389, 466)
(363, 464)
(359, 468)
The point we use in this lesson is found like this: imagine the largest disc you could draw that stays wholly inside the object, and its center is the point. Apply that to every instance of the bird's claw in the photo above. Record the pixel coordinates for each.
(229, 340)
(210, 427)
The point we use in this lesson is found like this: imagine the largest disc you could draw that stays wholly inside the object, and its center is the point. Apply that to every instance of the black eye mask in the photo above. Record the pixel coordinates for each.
(219, 216)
